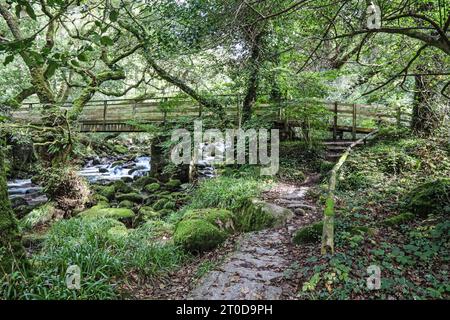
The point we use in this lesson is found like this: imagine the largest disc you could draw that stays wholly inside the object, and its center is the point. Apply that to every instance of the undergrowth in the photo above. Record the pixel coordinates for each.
(374, 226)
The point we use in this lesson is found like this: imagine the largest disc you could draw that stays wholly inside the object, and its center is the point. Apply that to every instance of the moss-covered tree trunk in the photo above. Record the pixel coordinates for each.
(425, 119)
(12, 253)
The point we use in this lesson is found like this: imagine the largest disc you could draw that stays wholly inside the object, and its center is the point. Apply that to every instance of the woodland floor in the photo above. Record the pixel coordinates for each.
(255, 265)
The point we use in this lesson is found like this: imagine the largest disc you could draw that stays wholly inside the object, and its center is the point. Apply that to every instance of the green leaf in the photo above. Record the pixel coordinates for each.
(75, 62)
(106, 41)
(82, 57)
(8, 60)
(51, 69)
(18, 9)
(30, 11)
(113, 15)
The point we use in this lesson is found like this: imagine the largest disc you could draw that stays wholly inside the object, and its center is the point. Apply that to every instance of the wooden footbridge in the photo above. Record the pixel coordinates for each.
(125, 115)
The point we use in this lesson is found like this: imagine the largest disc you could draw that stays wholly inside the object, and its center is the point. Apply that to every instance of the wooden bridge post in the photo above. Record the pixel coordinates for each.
(335, 119)
(105, 106)
(354, 121)
(238, 110)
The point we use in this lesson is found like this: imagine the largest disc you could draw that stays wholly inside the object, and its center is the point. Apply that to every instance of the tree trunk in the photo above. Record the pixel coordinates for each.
(424, 118)
(12, 253)
(253, 81)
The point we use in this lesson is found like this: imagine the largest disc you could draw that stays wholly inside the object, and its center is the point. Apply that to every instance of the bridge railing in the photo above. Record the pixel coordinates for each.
(350, 117)
(112, 115)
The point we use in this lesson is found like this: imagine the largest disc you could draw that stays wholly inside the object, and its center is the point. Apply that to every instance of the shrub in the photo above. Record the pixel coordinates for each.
(398, 219)
(429, 198)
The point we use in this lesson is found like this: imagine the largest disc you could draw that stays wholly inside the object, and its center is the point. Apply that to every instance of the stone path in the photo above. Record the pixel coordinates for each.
(254, 269)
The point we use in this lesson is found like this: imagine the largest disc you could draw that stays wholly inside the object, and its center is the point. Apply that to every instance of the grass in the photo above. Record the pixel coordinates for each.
(225, 192)
(103, 260)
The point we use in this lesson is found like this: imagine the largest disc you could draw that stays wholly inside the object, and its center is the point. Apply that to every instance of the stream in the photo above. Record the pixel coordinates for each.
(100, 171)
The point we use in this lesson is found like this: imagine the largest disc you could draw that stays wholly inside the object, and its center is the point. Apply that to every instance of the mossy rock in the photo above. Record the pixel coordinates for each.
(102, 211)
(165, 212)
(117, 233)
(121, 187)
(398, 219)
(98, 198)
(157, 229)
(152, 187)
(145, 214)
(38, 216)
(164, 203)
(117, 163)
(33, 240)
(126, 204)
(127, 179)
(311, 233)
(173, 184)
(363, 230)
(258, 215)
(429, 198)
(198, 235)
(141, 182)
(120, 149)
(132, 197)
(20, 207)
(108, 192)
(221, 218)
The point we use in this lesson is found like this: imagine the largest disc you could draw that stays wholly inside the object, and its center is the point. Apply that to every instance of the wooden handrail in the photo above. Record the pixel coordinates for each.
(328, 214)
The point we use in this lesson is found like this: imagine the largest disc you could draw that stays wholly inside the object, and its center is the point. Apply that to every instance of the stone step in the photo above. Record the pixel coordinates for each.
(336, 148)
(340, 143)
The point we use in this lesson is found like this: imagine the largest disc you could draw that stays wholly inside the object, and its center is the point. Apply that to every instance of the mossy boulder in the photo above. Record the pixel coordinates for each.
(258, 215)
(164, 203)
(198, 235)
(38, 216)
(311, 233)
(158, 229)
(33, 240)
(120, 149)
(98, 198)
(221, 218)
(126, 204)
(108, 192)
(398, 219)
(117, 163)
(165, 212)
(102, 211)
(121, 187)
(430, 198)
(20, 207)
(173, 184)
(145, 214)
(141, 182)
(117, 232)
(132, 197)
(152, 187)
